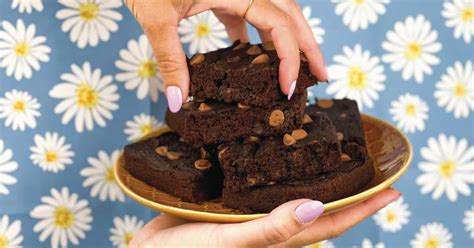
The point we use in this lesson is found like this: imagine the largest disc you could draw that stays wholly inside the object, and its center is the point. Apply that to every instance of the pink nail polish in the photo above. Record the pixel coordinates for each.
(175, 98)
(291, 90)
(309, 211)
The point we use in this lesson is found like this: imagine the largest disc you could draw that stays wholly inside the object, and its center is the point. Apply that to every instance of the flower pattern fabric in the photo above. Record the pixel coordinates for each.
(78, 81)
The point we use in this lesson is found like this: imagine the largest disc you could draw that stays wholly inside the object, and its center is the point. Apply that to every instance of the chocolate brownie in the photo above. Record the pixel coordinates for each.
(242, 73)
(172, 166)
(347, 180)
(209, 122)
(298, 155)
(346, 118)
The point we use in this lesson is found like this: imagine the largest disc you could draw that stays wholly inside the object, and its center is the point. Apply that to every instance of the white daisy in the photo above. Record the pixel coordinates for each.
(469, 221)
(20, 50)
(87, 97)
(322, 244)
(366, 243)
(141, 125)
(6, 166)
(10, 236)
(311, 99)
(19, 109)
(124, 230)
(459, 15)
(62, 217)
(356, 76)
(411, 47)
(27, 5)
(100, 175)
(360, 13)
(455, 91)
(432, 235)
(203, 31)
(410, 112)
(89, 21)
(139, 69)
(393, 216)
(315, 25)
(448, 167)
(50, 152)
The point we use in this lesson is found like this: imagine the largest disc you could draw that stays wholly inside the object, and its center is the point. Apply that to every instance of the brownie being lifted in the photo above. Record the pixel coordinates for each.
(300, 154)
(210, 122)
(172, 166)
(242, 73)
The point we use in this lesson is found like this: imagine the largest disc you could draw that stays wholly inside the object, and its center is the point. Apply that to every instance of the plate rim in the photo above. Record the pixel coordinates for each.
(218, 217)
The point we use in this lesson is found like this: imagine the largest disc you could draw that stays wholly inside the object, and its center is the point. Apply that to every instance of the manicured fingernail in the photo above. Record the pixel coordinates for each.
(326, 74)
(175, 98)
(309, 211)
(292, 89)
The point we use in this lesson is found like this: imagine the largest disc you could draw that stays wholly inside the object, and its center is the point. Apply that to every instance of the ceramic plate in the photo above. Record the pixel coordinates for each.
(390, 149)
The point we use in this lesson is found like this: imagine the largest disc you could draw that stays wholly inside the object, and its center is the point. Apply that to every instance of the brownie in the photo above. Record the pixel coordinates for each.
(170, 165)
(306, 152)
(346, 118)
(209, 122)
(349, 178)
(242, 73)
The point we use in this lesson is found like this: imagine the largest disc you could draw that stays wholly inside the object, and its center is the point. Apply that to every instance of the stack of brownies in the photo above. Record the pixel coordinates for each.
(242, 139)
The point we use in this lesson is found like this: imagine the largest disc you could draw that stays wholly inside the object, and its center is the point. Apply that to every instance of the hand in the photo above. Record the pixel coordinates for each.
(292, 224)
(279, 20)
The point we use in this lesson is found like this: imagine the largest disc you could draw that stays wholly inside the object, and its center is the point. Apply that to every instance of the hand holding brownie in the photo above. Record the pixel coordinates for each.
(279, 20)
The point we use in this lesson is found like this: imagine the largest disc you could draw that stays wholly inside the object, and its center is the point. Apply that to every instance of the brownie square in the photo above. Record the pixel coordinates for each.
(211, 122)
(242, 73)
(170, 165)
(271, 160)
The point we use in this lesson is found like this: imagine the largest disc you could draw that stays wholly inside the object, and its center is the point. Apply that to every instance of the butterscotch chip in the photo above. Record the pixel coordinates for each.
(243, 106)
(254, 50)
(262, 58)
(345, 157)
(173, 155)
(307, 119)
(162, 150)
(276, 118)
(203, 153)
(343, 115)
(299, 134)
(221, 152)
(252, 138)
(197, 59)
(340, 136)
(204, 107)
(325, 104)
(288, 140)
(187, 105)
(181, 139)
(251, 181)
(269, 46)
(239, 46)
(303, 57)
(202, 164)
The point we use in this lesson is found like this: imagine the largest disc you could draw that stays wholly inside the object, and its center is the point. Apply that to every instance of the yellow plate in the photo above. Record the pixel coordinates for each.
(390, 149)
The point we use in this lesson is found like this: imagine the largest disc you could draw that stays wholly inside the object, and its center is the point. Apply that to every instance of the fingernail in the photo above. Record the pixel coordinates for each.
(309, 211)
(175, 98)
(292, 89)
(327, 74)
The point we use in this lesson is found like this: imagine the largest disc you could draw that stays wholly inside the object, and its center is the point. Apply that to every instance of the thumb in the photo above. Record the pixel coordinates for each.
(281, 224)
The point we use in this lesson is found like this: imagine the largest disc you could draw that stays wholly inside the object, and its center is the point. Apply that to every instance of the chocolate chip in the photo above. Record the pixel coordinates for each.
(257, 129)
(343, 115)
(307, 119)
(262, 58)
(181, 139)
(187, 105)
(277, 117)
(269, 46)
(303, 57)
(204, 107)
(203, 153)
(254, 50)
(325, 104)
(345, 157)
(288, 140)
(243, 106)
(202, 164)
(299, 134)
(173, 155)
(197, 59)
(162, 150)
(340, 136)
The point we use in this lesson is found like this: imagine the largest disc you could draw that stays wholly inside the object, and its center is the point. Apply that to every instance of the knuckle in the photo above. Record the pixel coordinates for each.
(277, 232)
(168, 65)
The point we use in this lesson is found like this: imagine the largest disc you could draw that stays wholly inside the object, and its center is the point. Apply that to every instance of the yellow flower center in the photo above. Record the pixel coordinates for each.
(202, 29)
(147, 69)
(359, 2)
(460, 90)
(63, 217)
(431, 243)
(145, 129)
(410, 109)
(391, 216)
(316, 245)
(446, 169)
(19, 106)
(3, 241)
(109, 175)
(127, 237)
(22, 49)
(467, 14)
(357, 78)
(51, 156)
(89, 11)
(413, 51)
(86, 96)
